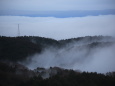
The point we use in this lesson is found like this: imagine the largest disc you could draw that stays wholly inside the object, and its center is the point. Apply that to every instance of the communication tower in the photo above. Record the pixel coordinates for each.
(18, 30)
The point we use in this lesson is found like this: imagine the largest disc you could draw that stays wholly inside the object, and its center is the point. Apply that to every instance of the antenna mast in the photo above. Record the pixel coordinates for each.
(18, 30)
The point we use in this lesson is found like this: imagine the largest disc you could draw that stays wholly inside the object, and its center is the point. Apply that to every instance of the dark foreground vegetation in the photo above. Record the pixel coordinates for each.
(17, 75)
(14, 49)
(71, 78)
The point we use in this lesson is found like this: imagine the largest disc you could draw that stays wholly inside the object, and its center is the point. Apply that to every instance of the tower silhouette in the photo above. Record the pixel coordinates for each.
(18, 30)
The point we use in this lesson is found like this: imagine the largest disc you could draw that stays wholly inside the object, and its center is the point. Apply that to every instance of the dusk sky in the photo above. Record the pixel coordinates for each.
(58, 19)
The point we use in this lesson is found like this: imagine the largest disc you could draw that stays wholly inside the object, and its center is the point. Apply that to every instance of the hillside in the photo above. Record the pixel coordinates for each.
(19, 48)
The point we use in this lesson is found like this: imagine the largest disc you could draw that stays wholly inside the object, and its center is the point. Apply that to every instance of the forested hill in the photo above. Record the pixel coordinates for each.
(13, 50)
(19, 48)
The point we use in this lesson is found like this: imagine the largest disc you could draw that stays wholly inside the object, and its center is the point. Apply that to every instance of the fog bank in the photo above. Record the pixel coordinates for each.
(58, 28)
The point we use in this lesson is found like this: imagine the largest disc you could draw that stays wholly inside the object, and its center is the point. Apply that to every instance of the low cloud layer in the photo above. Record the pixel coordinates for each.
(58, 14)
(58, 28)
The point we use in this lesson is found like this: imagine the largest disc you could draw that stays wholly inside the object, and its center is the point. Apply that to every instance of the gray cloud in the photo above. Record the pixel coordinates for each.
(58, 28)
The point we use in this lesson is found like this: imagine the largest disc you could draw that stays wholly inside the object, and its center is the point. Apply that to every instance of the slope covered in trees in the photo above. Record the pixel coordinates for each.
(19, 48)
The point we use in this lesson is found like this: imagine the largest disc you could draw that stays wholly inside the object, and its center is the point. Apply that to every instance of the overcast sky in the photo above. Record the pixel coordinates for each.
(44, 5)
(58, 19)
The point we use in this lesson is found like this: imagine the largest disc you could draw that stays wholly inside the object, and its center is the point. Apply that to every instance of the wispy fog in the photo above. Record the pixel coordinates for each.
(78, 57)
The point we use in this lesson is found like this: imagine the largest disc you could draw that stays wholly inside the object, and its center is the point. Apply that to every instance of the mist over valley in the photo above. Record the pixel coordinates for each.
(89, 53)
